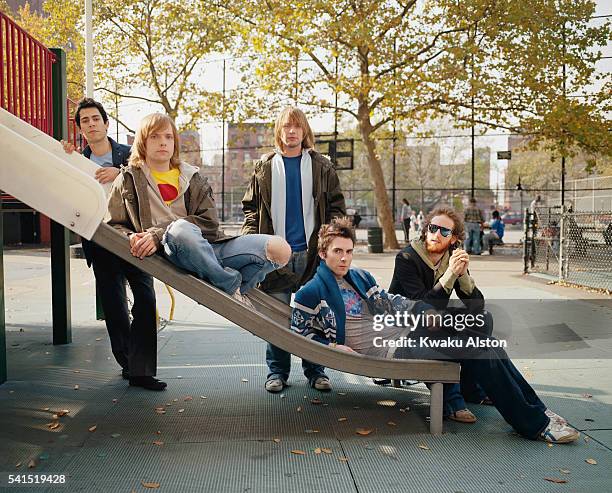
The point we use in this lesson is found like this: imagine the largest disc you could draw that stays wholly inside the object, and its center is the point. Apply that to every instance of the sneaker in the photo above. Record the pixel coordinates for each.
(323, 384)
(275, 385)
(462, 416)
(242, 299)
(148, 383)
(559, 433)
(555, 417)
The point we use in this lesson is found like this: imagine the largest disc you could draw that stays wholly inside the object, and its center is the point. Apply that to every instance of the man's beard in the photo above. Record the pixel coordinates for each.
(435, 247)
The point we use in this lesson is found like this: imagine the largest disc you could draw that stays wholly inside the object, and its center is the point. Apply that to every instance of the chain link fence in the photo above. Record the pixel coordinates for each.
(573, 246)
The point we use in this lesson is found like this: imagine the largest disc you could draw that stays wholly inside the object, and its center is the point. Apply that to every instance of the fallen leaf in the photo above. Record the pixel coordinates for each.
(115, 401)
(355, 407)
(549, 445)
(317, 451)
(46, 409)
(423, 446)
(276, 440)
(150, 484)
(115, 435)
(299, 409)
(76, 387)
(326, 450)
(93, 428)
(98, 338)
(316, 401)
(311, 431)
(341, 393)
(53, 426)
(589, 419)
(343, 459)
(593, 462)
(244, 380)
(174, 400)
(181, 410)
(342, 419)
(32, 464)
(188, 398)
(18, 465)
(55, 416)
(158, 432)
(63, 412)
(363, 431)
(203, 397)
(555, 480)
(159, 408)
(392, 423)
(76, 371)
(158, 443)
(387, 403)
(587, 396)
(564, 471)
(298, 452)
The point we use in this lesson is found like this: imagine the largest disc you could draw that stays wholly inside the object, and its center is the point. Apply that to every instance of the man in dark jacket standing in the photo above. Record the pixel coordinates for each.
(429, 269)
(134, 344)
(293, 191)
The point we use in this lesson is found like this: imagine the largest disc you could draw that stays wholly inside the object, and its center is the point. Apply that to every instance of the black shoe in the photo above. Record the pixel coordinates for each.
(148, 383)
(125, 374)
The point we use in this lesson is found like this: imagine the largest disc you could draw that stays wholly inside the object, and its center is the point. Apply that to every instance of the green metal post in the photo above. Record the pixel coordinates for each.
(2, 321)
(60, 236)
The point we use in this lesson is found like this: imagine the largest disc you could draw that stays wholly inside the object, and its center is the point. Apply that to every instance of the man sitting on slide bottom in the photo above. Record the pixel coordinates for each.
(340, 307)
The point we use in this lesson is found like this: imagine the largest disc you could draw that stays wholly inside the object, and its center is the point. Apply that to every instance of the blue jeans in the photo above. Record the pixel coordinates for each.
(513, 397)
(237, 263)
(472, 238)
(277, 359)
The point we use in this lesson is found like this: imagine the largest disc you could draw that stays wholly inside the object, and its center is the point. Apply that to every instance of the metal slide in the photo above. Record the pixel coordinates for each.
(36, 170)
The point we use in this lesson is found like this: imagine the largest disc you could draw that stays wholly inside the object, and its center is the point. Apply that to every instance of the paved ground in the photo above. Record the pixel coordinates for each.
(220, 431)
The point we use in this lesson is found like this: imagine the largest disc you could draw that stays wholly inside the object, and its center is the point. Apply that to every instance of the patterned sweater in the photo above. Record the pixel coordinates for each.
(318, 309)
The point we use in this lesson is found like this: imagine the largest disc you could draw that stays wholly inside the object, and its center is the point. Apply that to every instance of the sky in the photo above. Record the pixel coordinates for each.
(131, 111)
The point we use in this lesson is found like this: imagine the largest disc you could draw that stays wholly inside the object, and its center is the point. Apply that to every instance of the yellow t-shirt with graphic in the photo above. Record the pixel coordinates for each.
(167, 183)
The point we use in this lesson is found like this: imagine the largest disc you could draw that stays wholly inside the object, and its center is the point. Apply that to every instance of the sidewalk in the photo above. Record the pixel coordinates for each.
(216, 429)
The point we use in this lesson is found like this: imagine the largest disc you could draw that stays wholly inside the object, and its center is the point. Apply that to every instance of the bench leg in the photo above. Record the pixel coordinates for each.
(435, 409)
(396, 383)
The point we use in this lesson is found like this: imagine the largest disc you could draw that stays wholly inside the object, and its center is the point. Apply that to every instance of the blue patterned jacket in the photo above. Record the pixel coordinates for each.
(318, 309)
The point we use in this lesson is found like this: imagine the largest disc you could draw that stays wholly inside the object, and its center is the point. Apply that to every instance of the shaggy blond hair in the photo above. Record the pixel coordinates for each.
(297, 117)
(154, 122)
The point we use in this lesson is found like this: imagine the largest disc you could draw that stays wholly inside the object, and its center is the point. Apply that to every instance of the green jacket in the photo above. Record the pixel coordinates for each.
(129, 210)
(256, 204)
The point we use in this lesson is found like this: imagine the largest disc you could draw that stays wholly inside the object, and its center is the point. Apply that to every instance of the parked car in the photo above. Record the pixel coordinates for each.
(511, 218)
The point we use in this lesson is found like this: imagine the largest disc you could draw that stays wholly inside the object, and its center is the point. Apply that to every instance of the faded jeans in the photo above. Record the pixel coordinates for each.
(237, 263)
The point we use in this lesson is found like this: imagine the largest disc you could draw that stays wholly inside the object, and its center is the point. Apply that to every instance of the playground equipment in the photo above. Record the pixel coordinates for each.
(37, 171)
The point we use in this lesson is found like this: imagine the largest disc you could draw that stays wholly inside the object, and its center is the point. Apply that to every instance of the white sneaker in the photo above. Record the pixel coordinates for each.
(558, 433)
(555, 417)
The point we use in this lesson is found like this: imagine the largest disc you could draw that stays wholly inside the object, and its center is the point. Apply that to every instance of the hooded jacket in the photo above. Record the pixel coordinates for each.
(129, 209)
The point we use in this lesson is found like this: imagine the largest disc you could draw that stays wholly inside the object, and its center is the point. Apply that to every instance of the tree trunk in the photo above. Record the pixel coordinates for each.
(385, 215)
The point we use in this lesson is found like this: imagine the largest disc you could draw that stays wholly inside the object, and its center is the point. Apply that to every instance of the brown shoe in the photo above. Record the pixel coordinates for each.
(462, 416)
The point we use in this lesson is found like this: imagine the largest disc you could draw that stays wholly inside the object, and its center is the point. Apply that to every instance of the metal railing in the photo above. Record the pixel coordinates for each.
(25, 76)
(575, 247)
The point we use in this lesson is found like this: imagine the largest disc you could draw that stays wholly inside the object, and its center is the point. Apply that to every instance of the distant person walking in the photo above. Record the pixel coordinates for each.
(473, 219)
(405, 214)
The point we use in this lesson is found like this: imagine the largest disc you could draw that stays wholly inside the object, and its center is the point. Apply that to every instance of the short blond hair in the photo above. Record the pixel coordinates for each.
(293, 115)
(149, 124)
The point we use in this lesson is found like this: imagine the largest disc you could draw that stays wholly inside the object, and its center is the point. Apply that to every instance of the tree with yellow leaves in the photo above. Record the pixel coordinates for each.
(495, 63)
